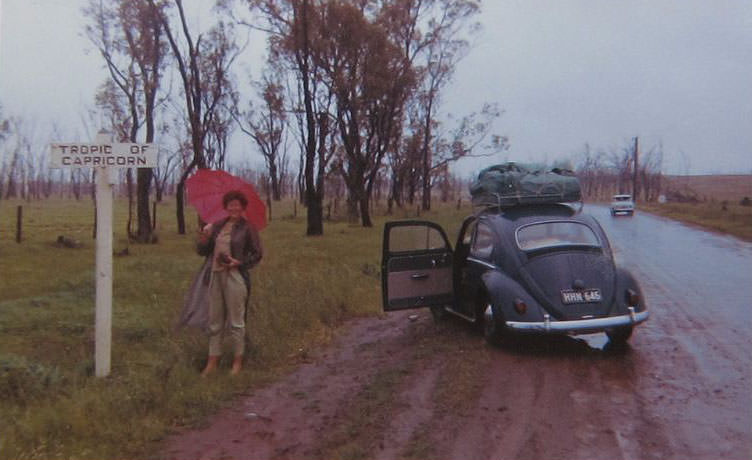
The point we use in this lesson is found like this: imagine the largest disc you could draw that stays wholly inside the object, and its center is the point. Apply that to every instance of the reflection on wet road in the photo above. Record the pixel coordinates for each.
(694, 355)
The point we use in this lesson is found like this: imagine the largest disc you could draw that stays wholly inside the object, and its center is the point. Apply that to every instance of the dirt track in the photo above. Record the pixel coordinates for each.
(396, 387)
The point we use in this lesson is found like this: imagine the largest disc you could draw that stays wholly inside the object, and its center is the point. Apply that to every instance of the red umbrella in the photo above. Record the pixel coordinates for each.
(206, 189)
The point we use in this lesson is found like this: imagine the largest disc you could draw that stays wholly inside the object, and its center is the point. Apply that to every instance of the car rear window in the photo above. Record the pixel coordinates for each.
(554, 234)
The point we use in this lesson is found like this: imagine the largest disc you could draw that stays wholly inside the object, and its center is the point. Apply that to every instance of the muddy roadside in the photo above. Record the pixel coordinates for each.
(396, 387)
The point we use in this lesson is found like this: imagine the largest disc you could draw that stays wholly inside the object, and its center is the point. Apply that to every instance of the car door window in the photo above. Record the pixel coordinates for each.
(415, 238)
(483, 242)
(467, 237)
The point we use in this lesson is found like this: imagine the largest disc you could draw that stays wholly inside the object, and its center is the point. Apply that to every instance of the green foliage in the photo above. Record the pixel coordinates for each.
(23, 381)
(51, 405)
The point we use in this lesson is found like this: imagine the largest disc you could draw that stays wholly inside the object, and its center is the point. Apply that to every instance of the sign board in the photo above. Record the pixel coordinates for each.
(104, 156)
(93, 155)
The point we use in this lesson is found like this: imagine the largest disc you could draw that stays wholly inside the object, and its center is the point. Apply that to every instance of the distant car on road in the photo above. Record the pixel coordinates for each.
(622, 204)
(544, 269)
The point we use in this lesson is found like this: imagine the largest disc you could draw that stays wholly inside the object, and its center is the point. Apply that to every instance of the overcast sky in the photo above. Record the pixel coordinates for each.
(675, 73)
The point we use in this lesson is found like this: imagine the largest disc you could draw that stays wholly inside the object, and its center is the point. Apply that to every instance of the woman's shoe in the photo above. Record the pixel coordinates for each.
(237, 365)
(211, 366)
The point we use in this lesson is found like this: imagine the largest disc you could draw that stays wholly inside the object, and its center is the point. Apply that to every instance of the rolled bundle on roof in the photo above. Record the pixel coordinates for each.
(511, 184)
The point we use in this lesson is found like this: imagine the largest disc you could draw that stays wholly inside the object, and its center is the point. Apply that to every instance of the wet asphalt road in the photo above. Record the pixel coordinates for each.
(692, 361)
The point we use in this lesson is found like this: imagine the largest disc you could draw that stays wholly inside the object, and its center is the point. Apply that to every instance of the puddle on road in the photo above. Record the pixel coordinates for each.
(596, 341)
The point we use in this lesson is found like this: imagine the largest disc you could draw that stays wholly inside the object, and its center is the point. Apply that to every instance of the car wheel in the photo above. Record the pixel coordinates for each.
(439, 314)
(620, 336)
(494, 333)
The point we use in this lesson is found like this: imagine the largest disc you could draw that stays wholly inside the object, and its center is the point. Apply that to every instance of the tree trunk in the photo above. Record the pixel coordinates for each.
(315, 222)
(315, 215)
(273, 177)
(129, 183)
(144, 178)
(365, 212)
(427, 158)
(158, 189)
(352, 208)
(180, 206)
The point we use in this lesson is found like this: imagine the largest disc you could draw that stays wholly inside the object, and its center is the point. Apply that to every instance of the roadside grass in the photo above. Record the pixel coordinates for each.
(734, 220)
(51, 406)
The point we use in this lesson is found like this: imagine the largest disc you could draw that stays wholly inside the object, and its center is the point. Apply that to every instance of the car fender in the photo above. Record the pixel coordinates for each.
(624, 282)
(503, 291)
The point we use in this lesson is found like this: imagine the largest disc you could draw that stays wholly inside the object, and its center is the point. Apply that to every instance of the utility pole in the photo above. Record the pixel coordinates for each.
(634, 172)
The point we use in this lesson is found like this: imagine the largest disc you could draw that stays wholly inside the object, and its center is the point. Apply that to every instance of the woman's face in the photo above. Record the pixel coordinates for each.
(234, 209)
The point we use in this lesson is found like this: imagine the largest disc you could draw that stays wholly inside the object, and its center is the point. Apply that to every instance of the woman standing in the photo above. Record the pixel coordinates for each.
(234, 246)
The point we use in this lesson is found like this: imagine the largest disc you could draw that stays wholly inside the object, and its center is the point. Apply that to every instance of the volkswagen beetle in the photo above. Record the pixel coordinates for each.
(545, 269)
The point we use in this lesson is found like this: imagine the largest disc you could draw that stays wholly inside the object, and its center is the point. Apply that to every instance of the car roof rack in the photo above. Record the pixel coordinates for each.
(498, 203)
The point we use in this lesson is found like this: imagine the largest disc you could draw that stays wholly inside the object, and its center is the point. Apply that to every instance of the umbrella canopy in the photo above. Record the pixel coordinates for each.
(206, 189)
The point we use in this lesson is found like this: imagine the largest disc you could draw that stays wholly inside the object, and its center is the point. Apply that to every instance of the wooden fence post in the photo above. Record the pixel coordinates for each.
(154, 216)
(19, 223)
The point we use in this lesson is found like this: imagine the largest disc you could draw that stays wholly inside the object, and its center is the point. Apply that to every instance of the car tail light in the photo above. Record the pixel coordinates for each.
(632, 297)
(520, 306)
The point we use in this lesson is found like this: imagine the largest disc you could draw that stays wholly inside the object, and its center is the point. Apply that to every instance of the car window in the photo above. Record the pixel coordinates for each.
(552, 234)
(483, 242)
(468, 236)
(415, 238)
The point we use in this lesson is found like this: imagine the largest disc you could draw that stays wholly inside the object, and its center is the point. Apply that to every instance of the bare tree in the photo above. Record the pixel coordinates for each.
(130, 38)
(13, 172)
(470, 137)
(293, 32)
(608, 171)
(370, 80)
(4, 130)
(435, 54)
(266, 125)
(204, 64)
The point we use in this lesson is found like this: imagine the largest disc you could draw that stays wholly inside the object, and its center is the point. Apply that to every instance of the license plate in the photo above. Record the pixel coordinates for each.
(585, 296)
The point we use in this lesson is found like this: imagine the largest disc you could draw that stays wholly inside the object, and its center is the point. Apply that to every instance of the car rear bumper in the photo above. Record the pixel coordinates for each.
(580, 326)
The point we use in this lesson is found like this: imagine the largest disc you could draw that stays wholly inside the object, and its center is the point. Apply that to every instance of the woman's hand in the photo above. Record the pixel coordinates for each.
(232, 262)
(205, 232)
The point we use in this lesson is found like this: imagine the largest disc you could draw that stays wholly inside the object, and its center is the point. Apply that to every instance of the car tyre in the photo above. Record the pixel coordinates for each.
(620, 336)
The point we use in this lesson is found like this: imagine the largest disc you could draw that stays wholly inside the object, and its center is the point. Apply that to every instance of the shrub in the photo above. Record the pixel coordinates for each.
(23, 381)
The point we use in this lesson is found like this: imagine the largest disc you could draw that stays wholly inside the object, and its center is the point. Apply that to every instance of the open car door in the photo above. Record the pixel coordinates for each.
(416, 266)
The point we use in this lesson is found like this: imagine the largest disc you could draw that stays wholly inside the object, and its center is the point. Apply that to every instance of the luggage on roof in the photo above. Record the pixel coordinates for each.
(512, 184)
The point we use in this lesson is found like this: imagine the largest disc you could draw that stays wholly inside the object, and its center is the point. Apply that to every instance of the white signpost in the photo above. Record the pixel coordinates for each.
(105, 156)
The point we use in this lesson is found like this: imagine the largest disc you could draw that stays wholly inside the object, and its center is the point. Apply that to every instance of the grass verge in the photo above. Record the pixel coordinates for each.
(51, 406)
(731, 219)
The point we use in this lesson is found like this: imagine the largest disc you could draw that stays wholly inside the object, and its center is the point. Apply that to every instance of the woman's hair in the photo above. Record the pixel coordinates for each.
(234, 195)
